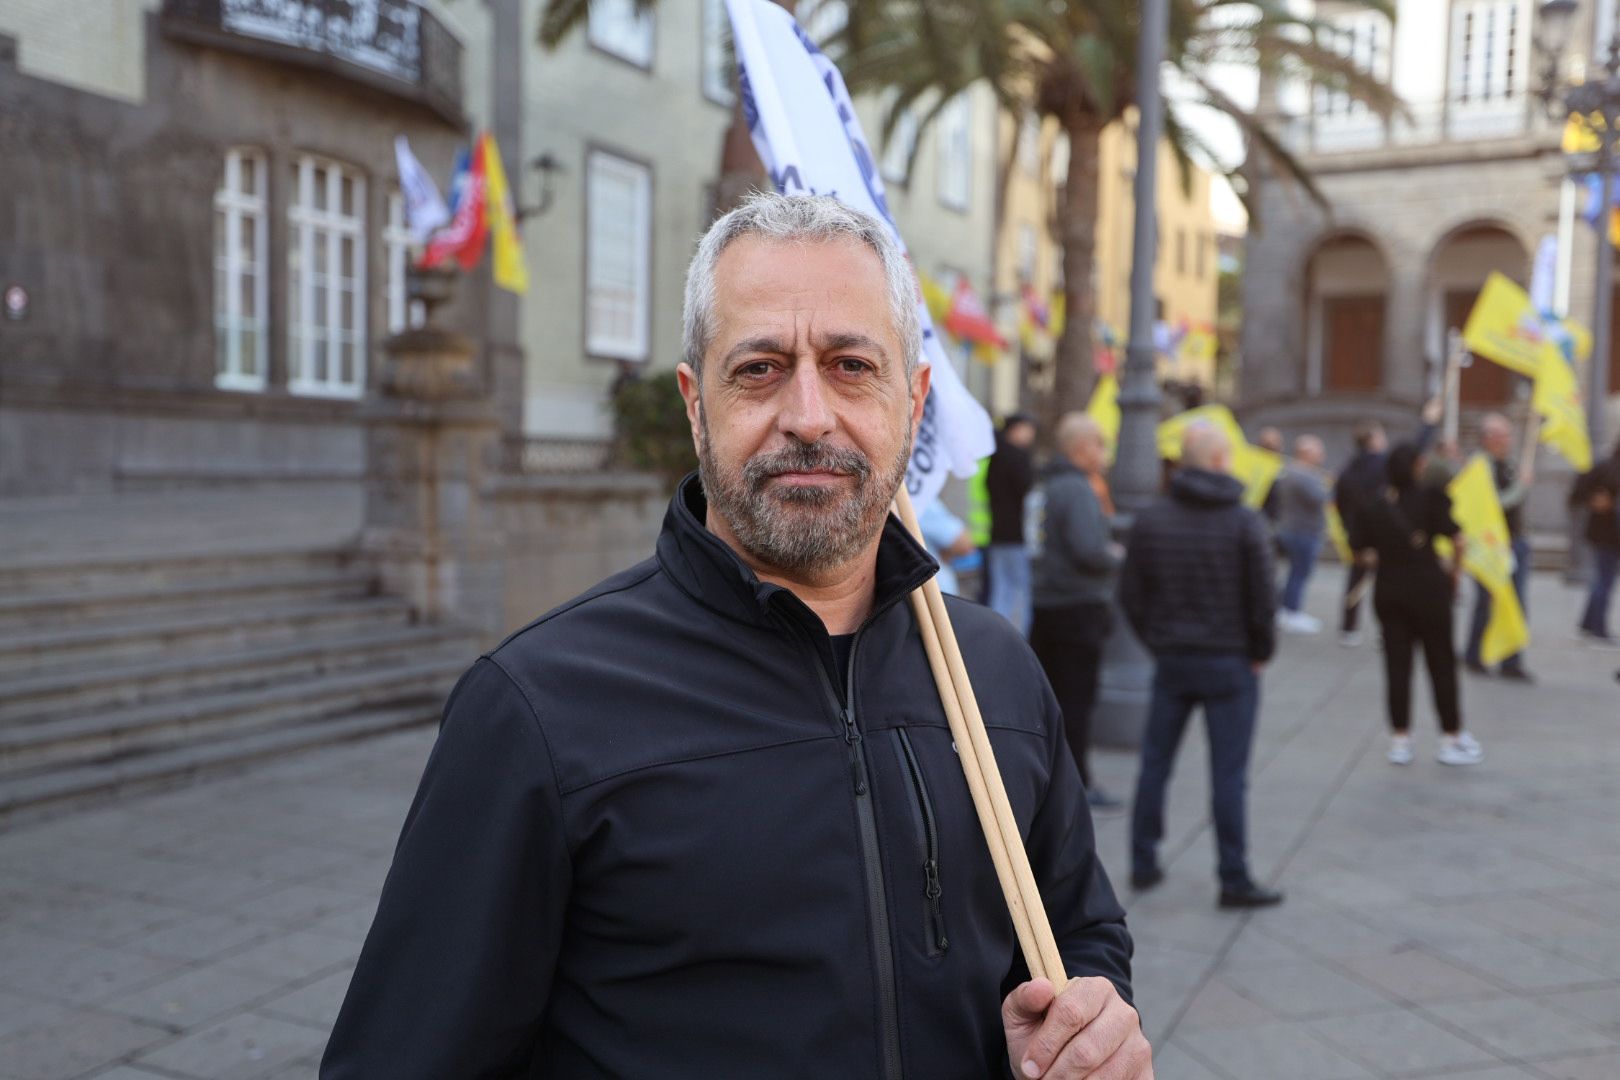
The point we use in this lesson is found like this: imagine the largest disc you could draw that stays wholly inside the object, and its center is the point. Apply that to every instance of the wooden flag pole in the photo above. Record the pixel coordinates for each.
(984, 781)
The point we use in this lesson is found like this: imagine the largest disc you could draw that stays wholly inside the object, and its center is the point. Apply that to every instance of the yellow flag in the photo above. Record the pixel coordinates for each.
(1563, 423)
(1506, 327)
(936, 296)
(1256, 467)
(1488, 558)
(1581, 134)
(1338, 535)
(510, 272)
(1058, 312)
(1104, 409)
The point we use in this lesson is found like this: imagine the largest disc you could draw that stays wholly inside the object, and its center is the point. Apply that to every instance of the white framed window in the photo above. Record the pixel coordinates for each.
(1363, 38)
(901, 144)
(241, 273)
(954, 130)
(617, 28)
(326, 279)
(717, 63)
(1604, 26)
(403, 312)
(618, 270)
(1489, 67)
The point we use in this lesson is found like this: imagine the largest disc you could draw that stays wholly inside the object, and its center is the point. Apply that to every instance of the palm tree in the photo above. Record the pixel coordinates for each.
(1073, 62)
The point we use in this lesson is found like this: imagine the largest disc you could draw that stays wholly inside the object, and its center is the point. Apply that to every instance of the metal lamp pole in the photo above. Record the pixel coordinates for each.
(1136, 469)
(1126, 679)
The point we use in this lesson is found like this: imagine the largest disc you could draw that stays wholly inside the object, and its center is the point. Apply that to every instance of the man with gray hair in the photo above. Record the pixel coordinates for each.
(1075, 562)
(707, 819)
(1197, 588)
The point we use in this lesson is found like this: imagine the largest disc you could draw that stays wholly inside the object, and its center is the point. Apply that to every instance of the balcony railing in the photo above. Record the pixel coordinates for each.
(394, 45)
(1424, 124)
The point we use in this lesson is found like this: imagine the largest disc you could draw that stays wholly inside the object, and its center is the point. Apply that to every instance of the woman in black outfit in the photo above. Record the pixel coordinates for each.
(1413, 600)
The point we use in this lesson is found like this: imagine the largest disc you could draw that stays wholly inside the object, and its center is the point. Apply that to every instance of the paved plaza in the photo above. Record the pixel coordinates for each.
(1440, 922)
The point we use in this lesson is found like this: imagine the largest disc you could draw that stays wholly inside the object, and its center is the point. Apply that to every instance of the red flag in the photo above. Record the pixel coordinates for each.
(967, 320)
(467, 232)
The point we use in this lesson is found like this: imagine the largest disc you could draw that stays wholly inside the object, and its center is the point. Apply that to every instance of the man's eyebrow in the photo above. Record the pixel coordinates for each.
(851, 339)
(763, 344)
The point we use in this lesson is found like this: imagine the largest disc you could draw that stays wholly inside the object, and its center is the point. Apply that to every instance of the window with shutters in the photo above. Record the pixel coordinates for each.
(618, 217)
(1363, 38)
(618, 29)
(1027, 251)
(241, 275)
(1029, 144)
(717, 57)
(954, 130)
(326, 279)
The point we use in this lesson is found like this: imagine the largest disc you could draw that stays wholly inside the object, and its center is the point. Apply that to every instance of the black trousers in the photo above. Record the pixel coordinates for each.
(1068, 641)
(1413, 617)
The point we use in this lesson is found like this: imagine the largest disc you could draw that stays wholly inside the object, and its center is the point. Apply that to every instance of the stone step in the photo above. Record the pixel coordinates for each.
(79, 606)
(42, 793)
(105, 736)
(42, 650)
(26, 576)
(33, 698)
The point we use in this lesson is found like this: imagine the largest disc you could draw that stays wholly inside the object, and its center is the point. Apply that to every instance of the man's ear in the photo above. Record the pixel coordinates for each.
(688, 380)
(920, 381)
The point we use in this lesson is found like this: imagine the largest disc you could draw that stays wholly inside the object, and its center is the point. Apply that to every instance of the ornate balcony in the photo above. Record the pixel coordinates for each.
(396, 46)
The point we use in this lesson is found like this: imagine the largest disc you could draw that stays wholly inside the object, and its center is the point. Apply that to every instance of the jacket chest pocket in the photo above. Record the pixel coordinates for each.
(926, 826)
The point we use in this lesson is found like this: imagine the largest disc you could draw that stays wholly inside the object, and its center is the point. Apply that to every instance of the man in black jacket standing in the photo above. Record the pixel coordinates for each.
(707, 819)
(1197, 588)
(1008, 479)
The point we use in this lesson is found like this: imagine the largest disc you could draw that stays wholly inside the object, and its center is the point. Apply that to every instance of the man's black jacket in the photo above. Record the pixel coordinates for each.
(1197, 576)
(654, 840)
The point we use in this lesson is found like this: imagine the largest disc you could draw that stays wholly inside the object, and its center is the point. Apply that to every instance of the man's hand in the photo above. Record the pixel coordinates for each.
(1088, 1031)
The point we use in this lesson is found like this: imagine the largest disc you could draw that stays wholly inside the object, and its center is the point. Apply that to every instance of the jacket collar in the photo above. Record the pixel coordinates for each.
(705, 567)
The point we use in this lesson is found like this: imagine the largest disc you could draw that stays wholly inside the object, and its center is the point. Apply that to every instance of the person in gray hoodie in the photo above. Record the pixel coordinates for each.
(1074, 563)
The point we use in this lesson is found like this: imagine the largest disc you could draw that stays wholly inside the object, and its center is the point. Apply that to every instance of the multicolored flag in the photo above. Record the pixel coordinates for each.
(968, 320)
(501, 220)
(463, 239)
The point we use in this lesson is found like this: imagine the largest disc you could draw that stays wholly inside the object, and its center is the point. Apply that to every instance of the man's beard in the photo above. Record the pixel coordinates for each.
(809, 528)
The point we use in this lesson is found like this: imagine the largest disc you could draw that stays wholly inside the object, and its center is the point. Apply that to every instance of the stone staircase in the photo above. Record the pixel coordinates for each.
(127, 673)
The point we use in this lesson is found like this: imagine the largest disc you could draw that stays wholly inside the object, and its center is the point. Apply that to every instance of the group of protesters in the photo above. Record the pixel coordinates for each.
(1194, 577)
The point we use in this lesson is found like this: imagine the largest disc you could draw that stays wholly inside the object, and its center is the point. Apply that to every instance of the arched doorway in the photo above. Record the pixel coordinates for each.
(1457, 270)
(1346, 292)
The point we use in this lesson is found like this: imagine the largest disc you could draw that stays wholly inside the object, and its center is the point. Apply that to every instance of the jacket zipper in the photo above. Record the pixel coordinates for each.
(871, 859)
(938, 943)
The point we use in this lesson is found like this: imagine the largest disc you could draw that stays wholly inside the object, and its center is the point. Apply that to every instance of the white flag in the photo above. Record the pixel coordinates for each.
(804, 127)
(424, 206)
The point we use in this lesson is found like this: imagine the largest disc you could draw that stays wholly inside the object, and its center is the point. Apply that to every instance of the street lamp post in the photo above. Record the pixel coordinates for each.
(1136, 467)
(1596, 98)
(1126, 679)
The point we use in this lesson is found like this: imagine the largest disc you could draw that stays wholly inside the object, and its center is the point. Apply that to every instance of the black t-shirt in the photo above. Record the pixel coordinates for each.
(842, 646)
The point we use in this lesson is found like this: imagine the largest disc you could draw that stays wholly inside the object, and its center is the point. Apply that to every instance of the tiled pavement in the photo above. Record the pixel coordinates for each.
(1440, 923)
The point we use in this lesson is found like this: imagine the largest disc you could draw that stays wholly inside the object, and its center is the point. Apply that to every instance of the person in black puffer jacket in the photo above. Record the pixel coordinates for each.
(1197, 588)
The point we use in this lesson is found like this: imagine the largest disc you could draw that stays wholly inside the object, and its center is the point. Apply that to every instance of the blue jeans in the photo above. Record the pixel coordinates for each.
(1482, 606)
(1229, 691)
(1605, 567)
(1301, 549)
(1008, 565)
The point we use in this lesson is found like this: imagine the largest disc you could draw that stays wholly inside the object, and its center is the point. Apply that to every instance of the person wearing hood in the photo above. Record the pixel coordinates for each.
(1413, 597)
(1074, 566)
(1197, 588)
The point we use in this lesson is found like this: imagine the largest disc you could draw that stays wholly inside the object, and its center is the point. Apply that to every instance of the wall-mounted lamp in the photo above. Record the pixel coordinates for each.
(547, 166)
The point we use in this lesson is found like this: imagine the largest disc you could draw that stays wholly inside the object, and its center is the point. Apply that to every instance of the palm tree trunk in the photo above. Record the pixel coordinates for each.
(1077, 233)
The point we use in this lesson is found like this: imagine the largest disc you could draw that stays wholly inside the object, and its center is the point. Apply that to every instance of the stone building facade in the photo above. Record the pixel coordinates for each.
(203, 217)
(1347, 303)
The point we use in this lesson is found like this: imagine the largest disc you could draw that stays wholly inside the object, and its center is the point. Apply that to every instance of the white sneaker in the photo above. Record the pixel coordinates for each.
(1400, 750)
(1350, 638)
(1464, 749)
(1297, 622)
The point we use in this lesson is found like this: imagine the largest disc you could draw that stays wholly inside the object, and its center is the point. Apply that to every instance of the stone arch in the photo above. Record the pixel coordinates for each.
(1459, 262)
(1345, 277)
